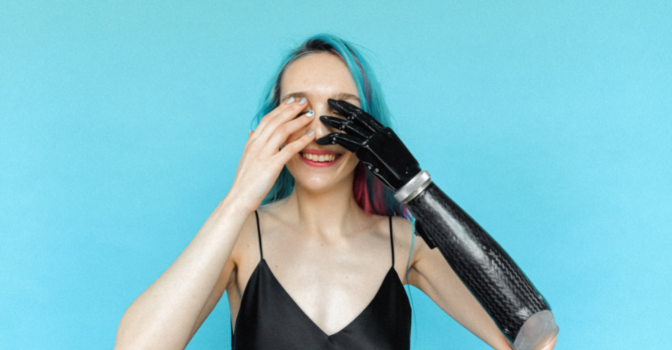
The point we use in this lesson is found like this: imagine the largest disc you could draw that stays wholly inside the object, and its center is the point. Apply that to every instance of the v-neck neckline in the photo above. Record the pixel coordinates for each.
(296, 305)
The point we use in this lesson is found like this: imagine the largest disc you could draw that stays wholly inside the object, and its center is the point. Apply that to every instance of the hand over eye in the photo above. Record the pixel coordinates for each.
(377, 146)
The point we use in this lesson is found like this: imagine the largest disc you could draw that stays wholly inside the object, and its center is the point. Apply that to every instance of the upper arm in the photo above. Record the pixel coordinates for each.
(223, 282)
(431, 273)
(227, 277)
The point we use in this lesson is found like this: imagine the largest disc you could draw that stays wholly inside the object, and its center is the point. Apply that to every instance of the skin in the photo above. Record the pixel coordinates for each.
(316, 241)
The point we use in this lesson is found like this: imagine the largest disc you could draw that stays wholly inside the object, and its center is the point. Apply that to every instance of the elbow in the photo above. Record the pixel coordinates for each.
(124, 339)
(130, 331)
(136, 332)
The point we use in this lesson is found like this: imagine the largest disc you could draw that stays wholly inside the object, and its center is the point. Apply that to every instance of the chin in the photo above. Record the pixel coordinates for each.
(318, 183)
(322, 179)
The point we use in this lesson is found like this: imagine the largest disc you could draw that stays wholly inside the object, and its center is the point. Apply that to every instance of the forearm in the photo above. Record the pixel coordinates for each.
(485, 268)
(162, 317)
(482, 265)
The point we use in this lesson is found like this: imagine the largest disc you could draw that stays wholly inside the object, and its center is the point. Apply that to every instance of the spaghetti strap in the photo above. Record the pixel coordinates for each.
(391, 241)
(261, 251)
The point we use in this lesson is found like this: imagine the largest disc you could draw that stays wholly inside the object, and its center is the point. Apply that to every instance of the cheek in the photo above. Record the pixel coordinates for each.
(353, 160)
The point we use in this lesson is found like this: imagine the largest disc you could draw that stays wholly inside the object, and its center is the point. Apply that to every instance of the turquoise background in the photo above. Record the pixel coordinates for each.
(121, 124)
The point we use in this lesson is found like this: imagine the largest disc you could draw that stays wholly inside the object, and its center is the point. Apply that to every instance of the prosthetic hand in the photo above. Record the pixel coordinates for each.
(518, 309)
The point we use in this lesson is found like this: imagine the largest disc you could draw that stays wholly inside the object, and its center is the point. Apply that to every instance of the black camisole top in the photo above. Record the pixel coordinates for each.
(270, 319)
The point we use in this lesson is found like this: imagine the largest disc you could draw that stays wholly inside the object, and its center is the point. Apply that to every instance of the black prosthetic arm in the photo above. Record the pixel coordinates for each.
(507, 295)
(482, 265)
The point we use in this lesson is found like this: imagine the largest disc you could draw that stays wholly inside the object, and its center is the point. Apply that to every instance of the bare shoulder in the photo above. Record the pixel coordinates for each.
(246, 242)
(404, 240)
(405, 237)
(246, 250)
(402, 230)
(274, 211)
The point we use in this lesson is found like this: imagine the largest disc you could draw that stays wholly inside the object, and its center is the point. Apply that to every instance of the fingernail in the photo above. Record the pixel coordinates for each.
(302, 100)
(290, 100)
(310, 113)
(311, 133)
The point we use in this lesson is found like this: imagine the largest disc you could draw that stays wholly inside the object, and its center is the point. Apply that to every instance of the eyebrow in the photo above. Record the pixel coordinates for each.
(342, 96)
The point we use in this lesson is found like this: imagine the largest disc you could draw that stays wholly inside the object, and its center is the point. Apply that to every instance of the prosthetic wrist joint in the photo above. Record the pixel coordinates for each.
(413, 188)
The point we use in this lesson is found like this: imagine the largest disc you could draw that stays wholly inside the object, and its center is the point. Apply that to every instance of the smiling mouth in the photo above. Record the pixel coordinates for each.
(322, 158)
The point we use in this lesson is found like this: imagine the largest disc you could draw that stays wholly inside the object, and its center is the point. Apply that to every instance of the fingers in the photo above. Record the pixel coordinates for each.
(285, 111)
(294, 147)
(349, 142)
(283, 132)
(354, 113)
(264, 121)
(343, 108)
(345, 125)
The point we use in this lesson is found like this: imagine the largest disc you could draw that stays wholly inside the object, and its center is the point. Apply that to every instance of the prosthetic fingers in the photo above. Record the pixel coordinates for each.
(518, 309)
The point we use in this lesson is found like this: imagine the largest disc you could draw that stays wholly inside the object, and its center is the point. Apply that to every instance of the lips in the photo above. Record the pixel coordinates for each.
(319, 158)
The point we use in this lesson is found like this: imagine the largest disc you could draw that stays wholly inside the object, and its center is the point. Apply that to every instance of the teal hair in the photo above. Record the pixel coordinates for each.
(369, 192)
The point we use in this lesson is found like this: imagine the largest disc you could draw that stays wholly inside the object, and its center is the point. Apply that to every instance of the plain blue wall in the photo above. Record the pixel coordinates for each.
(121, 124)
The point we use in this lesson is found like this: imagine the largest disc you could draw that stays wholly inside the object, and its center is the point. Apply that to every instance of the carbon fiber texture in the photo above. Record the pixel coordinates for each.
(483, 266)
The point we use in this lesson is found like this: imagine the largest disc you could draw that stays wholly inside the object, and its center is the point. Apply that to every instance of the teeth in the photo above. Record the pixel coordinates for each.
(320, 158)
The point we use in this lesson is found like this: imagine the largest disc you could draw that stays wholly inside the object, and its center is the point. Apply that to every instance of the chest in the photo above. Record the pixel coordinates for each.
(270, 318)
(330, 284)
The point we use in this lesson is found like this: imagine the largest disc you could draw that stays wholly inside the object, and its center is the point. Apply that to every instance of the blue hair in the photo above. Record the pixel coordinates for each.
(369, 192)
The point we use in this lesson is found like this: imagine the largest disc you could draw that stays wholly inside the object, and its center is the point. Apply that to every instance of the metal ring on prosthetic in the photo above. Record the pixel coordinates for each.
(503, 290)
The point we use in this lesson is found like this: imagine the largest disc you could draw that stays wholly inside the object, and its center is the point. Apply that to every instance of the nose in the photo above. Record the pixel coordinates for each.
(320, 108)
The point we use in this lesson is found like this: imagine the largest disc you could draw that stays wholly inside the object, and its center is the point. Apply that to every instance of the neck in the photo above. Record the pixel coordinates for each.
(328, 214)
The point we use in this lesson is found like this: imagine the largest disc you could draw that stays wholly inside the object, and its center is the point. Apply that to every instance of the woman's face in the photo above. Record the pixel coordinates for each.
(319, 77)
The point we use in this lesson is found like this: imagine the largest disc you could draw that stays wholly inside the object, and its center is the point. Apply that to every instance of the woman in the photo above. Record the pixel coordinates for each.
(304, 270)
